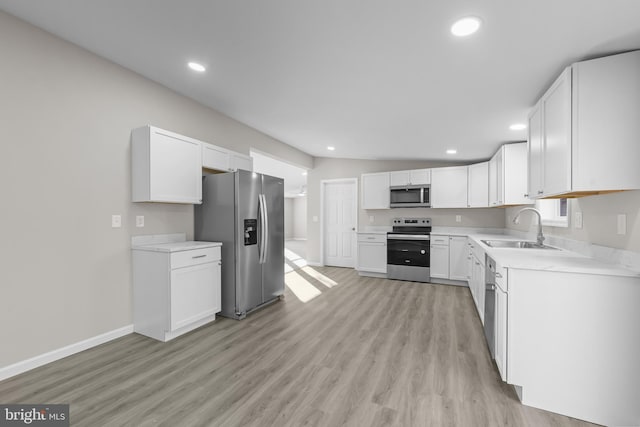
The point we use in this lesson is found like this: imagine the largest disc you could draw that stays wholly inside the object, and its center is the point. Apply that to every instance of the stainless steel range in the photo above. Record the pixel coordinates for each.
(408, 249)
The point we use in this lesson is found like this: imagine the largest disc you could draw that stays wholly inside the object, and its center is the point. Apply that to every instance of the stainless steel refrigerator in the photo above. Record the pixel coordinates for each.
(245, 211)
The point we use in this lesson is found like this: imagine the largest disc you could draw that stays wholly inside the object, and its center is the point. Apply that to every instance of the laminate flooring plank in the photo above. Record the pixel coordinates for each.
(364, 352)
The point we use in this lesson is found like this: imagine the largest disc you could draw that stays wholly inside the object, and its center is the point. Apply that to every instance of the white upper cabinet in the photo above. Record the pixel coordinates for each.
(410, 177)
(583, 132)
(221, 159)
(508, 176)
(165, 167)
(449, 187)
(214, 157)
(375, 190)
(240, 161)
(478, 186)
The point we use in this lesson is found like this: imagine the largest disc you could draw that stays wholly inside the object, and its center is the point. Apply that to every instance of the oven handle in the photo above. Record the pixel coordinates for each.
(408, 237)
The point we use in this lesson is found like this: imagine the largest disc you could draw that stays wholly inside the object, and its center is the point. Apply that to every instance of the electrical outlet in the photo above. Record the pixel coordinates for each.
(116, 221)
(458, 218)
(622, 224)
(315, 218)
(371, 218)
(139, 221)
(577, 223)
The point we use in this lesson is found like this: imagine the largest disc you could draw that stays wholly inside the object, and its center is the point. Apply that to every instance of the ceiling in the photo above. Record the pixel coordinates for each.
(377, 79)
(295, 178)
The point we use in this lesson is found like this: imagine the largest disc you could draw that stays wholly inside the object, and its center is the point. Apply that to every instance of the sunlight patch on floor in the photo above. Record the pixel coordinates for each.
(301, 287)
(320, 277)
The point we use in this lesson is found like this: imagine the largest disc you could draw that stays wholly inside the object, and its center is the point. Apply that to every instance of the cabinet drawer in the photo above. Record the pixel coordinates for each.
(439, 240)
(372, 238)
(194, 257)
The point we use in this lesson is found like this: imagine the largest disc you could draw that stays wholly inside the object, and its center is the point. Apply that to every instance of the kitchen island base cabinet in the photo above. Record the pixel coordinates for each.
(573, 344)
(174, 293)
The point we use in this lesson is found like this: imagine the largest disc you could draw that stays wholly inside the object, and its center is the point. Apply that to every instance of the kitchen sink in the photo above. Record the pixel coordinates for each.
(515, 244)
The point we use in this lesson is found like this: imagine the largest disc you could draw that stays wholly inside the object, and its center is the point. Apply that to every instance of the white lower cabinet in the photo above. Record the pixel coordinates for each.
(500, 334)
(175, 291)
(439, 256)
(372, 253)
(449, 258)
(458, 258)
(476, 277)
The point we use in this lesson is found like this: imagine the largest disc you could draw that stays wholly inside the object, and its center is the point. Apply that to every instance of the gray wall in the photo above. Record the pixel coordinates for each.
(66, 117)
(288, 217)
(300, 217)
(328, 168)
(599, 217)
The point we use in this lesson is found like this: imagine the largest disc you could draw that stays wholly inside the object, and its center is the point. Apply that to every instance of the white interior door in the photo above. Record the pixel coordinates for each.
(340, 222)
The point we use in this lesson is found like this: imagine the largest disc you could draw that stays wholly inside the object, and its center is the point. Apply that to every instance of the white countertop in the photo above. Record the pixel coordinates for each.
(560, 260)
(176, 246)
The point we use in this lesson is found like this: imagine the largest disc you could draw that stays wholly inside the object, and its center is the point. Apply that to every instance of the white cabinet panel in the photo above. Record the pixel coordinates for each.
(556, 111)
(214, 157)
(508, 176)
(458, 258)
(165, 167)
(439, 256)
(501, 329)
(192, 294)
(240, 161)
(375, 190)
(410, 177)
(478, 187)
(534, 153)
(449, 187)
(372, 253)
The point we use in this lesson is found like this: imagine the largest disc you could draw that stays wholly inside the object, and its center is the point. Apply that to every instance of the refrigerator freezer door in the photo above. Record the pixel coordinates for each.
(273, 268)
(248, 269)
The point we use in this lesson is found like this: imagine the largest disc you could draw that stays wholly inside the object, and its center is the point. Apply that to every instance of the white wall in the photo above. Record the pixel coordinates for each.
(599, 217)
(66, 116)
(300, 217)
(328, 168)
(288, 218)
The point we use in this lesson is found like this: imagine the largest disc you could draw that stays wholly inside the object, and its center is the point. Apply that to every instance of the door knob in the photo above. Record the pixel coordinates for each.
(353, 229)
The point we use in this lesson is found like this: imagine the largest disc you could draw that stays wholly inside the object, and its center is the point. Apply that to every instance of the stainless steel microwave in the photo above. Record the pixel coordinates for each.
(409, 196)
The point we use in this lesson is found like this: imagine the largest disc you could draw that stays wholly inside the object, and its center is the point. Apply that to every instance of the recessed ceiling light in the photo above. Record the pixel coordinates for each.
(465, 26)
(518, 126)
(330, 148)
(452, 151)
(304, 173)
(197, 67)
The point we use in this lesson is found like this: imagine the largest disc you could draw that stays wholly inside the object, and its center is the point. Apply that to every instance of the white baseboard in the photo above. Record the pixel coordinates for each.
(315, 263)
(60, 353)
(299, 238)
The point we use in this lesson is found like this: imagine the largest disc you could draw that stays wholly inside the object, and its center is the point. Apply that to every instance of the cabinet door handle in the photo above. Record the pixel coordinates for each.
(526, 195)
(198, 256)
(540, 191)
(371, 238)
(477, 263)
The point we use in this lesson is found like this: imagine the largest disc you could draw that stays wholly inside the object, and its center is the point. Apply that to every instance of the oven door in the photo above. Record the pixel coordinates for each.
(413, 252)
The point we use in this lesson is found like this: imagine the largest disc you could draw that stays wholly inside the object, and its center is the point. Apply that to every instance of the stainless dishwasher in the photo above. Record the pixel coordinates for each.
(490, 305)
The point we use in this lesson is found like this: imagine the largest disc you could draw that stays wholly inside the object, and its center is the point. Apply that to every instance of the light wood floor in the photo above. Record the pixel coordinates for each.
(366, 352)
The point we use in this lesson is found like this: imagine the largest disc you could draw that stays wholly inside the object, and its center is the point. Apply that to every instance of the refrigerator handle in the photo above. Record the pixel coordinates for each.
(265, 228)
(261, 216)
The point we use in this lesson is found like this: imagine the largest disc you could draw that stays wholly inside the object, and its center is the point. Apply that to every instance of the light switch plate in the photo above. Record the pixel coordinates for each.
(622, 224)
(139, 221)
(577, 223)
(458, 218)
(371, 219)
(315, 218)
(116, 221)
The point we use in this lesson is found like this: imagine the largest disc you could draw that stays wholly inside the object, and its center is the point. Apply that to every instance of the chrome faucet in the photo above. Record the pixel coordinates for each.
(540, 235)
